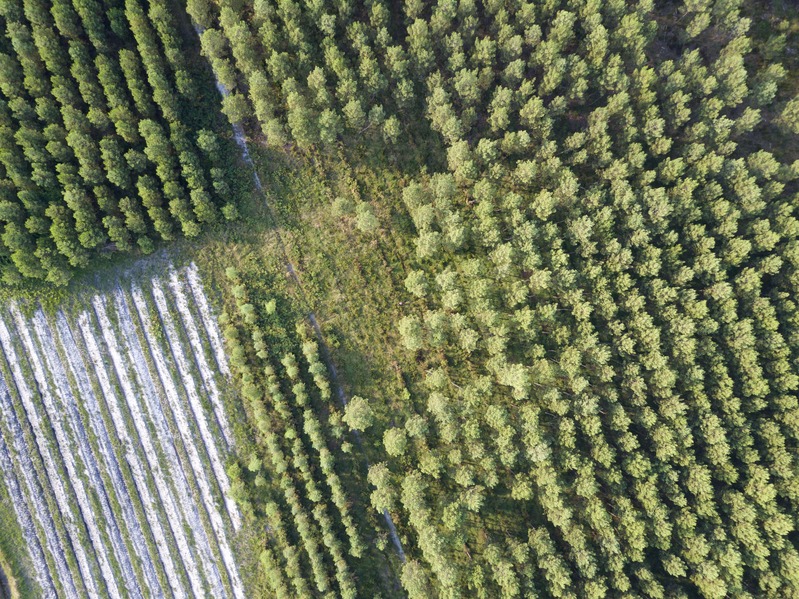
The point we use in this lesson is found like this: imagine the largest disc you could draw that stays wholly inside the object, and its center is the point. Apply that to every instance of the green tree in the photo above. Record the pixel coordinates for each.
(395, 441)
(358, 414)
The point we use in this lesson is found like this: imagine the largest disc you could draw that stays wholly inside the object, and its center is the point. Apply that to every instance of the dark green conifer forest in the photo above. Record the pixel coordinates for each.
(511, 303)
(105, 144)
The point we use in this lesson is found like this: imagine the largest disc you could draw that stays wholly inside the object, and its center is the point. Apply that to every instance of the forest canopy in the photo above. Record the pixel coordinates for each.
(597, 309)
(603, 285)
(105, 143)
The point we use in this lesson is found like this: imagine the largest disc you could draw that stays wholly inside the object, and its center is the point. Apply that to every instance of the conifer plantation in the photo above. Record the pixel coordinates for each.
(439, 299)
(105, 144)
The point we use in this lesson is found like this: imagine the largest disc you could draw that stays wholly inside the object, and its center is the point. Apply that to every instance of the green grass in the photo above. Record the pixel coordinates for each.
(351, 280)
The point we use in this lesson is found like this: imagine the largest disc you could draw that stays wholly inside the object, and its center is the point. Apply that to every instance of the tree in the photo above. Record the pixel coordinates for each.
(358, 414)
(118, 232)
(330, 126)
(65, 238)
(355, 115)
(789, 118)
(391, 130)
(236, 107)
(22, 246)
(300, 117)
(395, 441)
(416, 283)
(365, 219)
(117, 169)
(415, 581)
(410, 330)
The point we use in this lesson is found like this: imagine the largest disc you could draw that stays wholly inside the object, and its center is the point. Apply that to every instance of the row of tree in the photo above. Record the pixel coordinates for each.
(293, 477)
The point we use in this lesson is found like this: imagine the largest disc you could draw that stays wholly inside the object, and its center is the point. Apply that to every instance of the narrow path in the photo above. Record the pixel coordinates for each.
(238, 134)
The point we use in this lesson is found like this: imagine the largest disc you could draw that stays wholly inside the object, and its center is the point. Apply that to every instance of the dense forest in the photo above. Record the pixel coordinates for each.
(553, 245)
(106, 142)
(603, 281)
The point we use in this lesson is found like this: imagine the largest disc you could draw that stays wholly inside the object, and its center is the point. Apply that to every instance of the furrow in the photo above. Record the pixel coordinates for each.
(200, 420)
(185, 370)
(182, 304)
(65, 445)
(51, 472)
(151, 509)
(111, 466)
(137, 413)
(34, 495)
(42, 569)
(64, 392)
(209, 322)
(153, 409)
